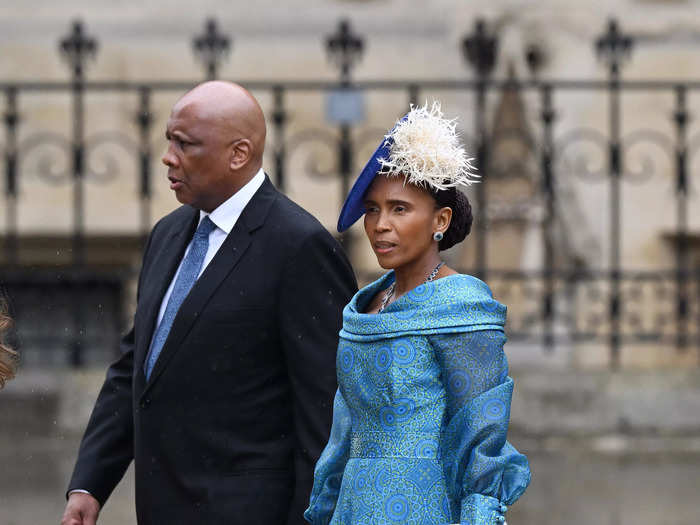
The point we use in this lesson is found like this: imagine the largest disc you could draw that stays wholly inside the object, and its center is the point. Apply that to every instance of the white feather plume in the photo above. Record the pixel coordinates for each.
(427, 151)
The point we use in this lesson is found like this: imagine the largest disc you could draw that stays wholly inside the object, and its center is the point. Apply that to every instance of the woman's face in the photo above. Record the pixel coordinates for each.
(400, 220)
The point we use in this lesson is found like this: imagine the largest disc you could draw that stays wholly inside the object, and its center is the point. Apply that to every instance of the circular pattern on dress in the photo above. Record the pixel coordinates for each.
(361, 480)
(459, 382)
(493, 409)
(383, 358)
(426, 448)
(421, 293)
(404, 353)
(387, 417)
(346, 358)
(404, 408)
(396, 507)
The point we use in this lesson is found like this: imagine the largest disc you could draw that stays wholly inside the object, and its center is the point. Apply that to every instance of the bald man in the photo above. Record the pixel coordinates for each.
(223, 392)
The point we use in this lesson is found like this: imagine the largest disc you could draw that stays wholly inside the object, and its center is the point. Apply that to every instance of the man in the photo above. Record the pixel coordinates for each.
(223, 393)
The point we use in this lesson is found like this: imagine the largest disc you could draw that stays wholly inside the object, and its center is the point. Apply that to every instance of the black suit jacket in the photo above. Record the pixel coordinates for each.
(238, 406)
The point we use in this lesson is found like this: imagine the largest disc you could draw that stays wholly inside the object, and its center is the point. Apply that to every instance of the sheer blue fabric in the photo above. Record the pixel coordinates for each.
(421, 414)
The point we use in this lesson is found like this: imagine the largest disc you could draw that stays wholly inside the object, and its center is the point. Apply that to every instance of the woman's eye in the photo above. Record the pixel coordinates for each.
(399, 209)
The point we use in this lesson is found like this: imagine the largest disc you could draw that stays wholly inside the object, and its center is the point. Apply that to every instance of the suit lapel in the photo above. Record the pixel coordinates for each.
(225, 260)
(167, 260)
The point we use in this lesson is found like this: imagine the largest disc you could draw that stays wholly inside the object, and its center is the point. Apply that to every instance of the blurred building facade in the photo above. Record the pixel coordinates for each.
(581, 119)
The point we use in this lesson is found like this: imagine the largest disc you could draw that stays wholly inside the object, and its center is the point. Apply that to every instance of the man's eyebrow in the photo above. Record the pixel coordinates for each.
(176, 133)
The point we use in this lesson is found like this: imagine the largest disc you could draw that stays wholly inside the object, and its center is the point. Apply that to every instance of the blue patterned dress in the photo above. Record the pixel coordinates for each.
(421, 413)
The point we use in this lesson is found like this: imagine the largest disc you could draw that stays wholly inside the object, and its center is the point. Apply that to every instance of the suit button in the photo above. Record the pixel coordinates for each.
(145, 403)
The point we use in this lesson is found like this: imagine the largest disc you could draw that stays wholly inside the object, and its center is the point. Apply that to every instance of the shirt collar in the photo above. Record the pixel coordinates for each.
(228, 212)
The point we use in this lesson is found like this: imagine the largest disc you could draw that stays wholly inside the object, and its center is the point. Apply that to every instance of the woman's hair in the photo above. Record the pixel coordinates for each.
(461, 223)
(8, 357)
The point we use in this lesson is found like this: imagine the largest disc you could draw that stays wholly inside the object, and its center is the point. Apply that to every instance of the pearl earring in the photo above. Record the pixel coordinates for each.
(438, 236)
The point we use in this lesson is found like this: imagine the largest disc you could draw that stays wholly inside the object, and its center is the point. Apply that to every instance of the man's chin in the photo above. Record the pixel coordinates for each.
(182, 197)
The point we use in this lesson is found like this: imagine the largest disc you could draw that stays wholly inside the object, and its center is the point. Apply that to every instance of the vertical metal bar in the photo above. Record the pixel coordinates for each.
(548, 192)
(345, 153)
(481, 164)
(615, 167)
(279, 119)
(76, 357)
(145, 120)
(413, 94)
(11, 118)
(78, 175)
(680, 117)
(76, 47)
(613, 47)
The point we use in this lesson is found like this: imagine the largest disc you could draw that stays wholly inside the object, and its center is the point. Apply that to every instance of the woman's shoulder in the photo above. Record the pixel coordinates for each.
(466, 286)
(454, 303)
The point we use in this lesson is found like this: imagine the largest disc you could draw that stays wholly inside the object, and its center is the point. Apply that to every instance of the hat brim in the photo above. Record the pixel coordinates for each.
(353, 207)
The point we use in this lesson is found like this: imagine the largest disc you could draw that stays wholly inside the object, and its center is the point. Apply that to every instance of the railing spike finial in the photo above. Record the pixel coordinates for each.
(613, 47)
(77, 47)
(344, 48)
(211, 47)
(480, 49)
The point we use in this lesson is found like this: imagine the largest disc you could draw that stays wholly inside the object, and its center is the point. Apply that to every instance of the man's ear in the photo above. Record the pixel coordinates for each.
(241, 153)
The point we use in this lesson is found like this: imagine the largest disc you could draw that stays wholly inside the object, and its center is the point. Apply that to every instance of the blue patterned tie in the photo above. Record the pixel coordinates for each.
(189, 271)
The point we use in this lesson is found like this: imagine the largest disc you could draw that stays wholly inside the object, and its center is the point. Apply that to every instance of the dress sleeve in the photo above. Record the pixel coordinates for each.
(484, 472)
(330, 466)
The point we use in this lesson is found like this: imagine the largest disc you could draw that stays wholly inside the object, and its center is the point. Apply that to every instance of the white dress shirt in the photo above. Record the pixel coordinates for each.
(225, 218)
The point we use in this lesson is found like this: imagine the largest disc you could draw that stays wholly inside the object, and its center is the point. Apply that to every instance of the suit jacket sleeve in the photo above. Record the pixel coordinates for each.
(107, 449)
(317, 284)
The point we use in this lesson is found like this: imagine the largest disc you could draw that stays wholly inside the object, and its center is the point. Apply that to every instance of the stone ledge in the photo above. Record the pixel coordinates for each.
(599, 403)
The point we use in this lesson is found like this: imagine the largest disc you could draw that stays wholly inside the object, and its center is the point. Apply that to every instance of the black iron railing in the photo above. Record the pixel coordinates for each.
(560, 302)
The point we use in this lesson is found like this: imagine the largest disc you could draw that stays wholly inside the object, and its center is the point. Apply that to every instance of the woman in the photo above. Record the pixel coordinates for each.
(422, 409)
(7, 356)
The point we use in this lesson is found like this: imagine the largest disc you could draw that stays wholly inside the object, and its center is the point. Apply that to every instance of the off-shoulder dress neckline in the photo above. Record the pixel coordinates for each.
(365, 296)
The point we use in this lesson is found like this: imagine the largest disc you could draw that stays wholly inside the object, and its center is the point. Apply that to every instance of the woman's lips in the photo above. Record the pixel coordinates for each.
(382, 247)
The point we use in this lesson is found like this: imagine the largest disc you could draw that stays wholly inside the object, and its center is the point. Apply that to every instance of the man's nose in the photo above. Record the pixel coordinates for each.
(169, 158)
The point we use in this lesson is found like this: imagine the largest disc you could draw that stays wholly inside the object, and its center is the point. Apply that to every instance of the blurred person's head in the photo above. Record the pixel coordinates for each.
(216, 135)
(8, 357)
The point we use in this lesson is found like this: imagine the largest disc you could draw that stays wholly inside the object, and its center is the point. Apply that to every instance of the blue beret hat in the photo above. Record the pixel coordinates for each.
(445, 164)
(353, 207)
